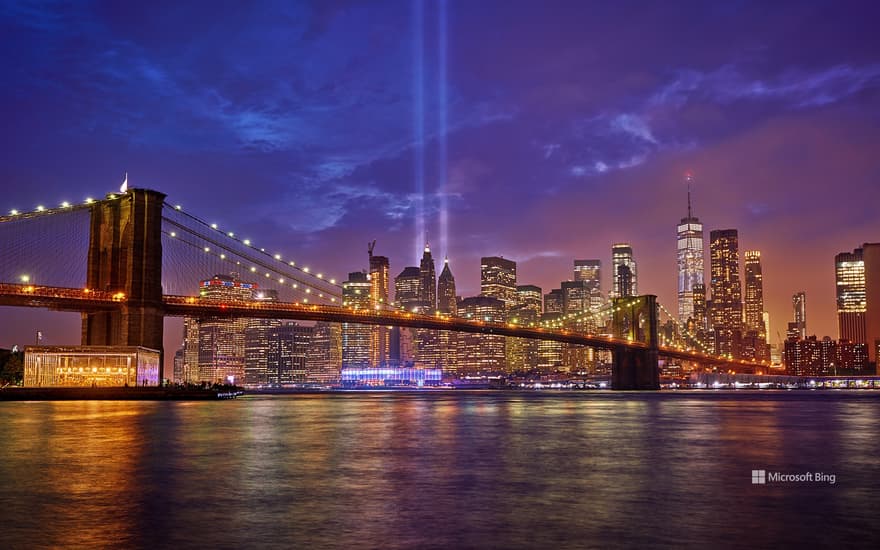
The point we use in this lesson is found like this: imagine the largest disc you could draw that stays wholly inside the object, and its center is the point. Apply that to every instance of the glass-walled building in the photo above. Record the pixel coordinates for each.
(87, 366)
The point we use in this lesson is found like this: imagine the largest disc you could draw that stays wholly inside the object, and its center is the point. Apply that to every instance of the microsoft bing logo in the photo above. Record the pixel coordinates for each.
(759, 477)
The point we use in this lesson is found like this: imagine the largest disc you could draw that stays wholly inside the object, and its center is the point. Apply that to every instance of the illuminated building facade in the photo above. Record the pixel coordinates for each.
(219, 342)
(87, 366)
(447, 305)
(726, 311)
(391, 376)
(755, 336)
(356, 337)
(379, 283)
(754, 299)
(622, 254)
(813, 357)
(858, 297)
(480, 354)
(324, 359)
(690, 260)
(427, 342)
(553, 301)
(498, 279)
(799, 307)
(446, 302)
(590, 271)
(287, 355)
(871, 257)
(529, 296)
(851, 303)
(256, 342)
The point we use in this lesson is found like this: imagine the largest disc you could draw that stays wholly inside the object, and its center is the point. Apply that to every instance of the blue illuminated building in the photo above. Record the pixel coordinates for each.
(391, 376)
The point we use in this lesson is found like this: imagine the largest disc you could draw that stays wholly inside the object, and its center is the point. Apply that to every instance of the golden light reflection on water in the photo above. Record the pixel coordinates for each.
(433, 469)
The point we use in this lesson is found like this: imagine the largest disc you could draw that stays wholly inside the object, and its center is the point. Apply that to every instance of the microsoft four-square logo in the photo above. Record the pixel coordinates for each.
(759, 477)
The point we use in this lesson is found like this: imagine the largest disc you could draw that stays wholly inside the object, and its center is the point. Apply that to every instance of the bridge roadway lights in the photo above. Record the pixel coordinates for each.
(635, 369)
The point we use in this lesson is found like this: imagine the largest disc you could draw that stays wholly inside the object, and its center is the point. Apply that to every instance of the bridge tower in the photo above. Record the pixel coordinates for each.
(125, 255)
(635, 319)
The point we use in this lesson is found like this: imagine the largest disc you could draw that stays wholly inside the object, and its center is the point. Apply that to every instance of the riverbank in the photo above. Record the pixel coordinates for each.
(115, 394)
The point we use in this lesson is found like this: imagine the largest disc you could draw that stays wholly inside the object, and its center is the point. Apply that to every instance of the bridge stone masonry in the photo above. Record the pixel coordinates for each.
(123, 303)
(125, 256)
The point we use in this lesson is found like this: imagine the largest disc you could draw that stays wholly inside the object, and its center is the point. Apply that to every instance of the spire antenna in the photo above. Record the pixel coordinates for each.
(688, 178)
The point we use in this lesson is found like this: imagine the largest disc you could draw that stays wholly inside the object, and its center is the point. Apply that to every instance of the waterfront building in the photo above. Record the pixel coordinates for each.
(219, 343)
(407, 296)
(498, 279)
(87, 366)
(825, 357)
(179, 372)
(622, 254)
(379, 283)
(288, 353)
(256, 343)
(356, 337)
(851, 306)
(690, 260)
(858, 297)
(550, 352)
(726, 312)
(481, 354)
(324, 357)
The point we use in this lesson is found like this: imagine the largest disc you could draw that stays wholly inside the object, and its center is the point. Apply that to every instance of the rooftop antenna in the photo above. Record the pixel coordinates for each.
(688, 177)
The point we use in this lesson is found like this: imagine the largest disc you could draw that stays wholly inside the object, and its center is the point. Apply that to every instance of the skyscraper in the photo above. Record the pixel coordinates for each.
(324, 358)
(287, 355)
(851, 303)
(590, 271)
(446, 304)
(356, 337)
(407, 288)
(799, 307)
(754, 299)
(218, 344)
(498, 279)
(726, 311)
(858, 297)
(622, 254)
(428, 281)
(530, 297)
(871, 256)
(446, 290)
(481, 353)
(690, 260)
(379, 280)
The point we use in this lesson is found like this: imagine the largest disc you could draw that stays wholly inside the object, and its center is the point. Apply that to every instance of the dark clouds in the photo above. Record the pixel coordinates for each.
(568, 127)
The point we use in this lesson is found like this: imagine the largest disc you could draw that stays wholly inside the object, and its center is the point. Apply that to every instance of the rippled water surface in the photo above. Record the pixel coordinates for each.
(442, 470)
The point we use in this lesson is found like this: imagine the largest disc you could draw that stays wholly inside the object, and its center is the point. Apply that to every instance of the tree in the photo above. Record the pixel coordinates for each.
(12, 369)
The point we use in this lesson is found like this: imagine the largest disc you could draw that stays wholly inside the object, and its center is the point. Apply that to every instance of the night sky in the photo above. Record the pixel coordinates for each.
(540, 131)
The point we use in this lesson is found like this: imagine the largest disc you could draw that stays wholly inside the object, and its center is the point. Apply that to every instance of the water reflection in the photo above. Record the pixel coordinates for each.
(446, 470)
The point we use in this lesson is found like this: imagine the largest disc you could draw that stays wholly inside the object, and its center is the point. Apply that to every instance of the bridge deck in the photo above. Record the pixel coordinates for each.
(74, 299)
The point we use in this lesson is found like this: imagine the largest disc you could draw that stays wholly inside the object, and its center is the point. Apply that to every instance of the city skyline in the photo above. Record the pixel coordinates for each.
(764, 127)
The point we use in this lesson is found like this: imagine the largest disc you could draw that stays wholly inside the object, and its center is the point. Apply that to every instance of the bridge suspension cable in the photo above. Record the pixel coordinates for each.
(246, 250)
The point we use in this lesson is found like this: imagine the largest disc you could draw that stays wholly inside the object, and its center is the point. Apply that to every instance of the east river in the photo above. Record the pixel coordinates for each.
(466, 469)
